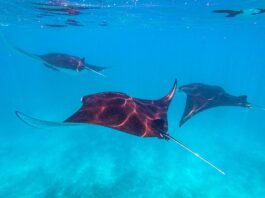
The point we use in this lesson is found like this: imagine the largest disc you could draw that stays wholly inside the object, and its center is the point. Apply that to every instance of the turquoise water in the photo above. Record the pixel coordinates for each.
(146, 45)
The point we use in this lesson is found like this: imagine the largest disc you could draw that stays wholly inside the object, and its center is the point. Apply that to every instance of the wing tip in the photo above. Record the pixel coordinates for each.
(20, 116)
(182, 122)
(173, 90)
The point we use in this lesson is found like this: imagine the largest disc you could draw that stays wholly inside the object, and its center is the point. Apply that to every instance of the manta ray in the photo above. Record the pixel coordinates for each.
(201, 97)
(73, 22)
(62, 61)
(119, 111)
(233, 13)
(230, 13)
(57, 61)
(63, 8)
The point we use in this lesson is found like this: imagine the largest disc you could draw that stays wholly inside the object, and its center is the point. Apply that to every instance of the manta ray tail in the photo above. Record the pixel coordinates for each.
(194, 153)
(250, 105)
(37, 123)
(258, 106)
(95, 69)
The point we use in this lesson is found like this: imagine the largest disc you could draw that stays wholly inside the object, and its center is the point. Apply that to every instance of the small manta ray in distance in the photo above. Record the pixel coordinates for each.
(71, 11)
(73, 22)
(63, 8)
(144, 118)
(233, 13)
(201, 97)
(230, 13)
(55, 26)
(57, 61)
(60, 61)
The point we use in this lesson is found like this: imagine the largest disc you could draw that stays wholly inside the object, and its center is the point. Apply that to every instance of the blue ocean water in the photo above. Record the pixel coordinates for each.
(146, 45)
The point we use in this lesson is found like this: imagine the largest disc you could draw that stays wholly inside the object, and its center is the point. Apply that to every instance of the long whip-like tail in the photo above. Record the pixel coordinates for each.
(95, 70)
(194, 153)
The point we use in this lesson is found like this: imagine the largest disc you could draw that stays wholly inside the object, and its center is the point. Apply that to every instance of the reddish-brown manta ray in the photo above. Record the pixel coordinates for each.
(145, 118)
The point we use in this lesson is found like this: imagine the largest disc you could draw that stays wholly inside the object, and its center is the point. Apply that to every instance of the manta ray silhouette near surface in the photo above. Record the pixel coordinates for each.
(144, 118)
(230, 13)
(233, 13)
(60, 61)
(201, 97)
(63, 8)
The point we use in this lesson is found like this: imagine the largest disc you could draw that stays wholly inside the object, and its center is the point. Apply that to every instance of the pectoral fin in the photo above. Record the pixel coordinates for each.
(37, 123)
(51, 67)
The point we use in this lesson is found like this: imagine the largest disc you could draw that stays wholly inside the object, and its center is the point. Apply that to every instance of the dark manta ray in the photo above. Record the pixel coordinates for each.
(230, 13)
(57, 61)
(233, 13)
(63, 8)
(73, 22)
(201, 97)
(145, 118)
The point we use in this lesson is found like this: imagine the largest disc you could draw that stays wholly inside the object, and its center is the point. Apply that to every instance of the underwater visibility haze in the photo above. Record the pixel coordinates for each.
(90, 80)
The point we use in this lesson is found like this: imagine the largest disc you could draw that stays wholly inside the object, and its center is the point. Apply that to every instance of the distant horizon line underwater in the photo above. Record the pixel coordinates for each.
(48, 160)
